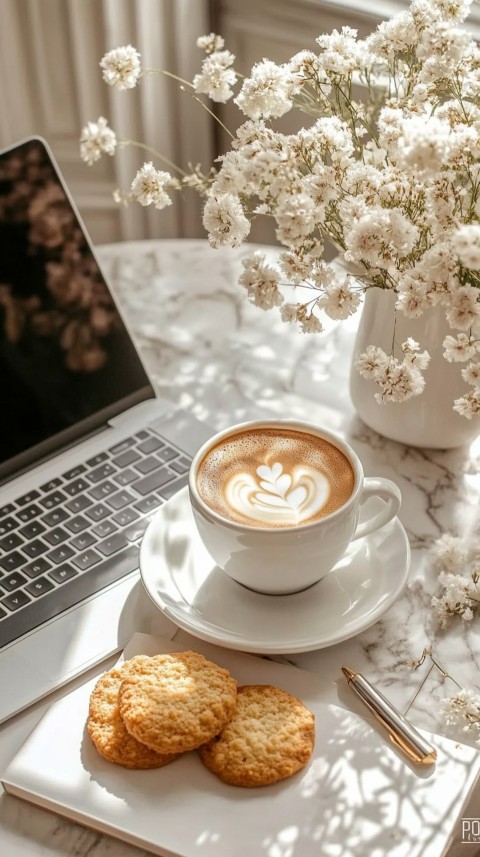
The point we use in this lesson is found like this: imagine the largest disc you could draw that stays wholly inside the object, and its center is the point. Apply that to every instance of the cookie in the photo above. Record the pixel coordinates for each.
(270, 737)
(106, 728)
(175, 702)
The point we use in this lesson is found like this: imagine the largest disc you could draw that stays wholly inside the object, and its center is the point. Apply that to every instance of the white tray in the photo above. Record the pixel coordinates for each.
(355, 798)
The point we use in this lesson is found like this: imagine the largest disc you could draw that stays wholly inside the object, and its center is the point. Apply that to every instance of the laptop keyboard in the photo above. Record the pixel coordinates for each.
(79, 532)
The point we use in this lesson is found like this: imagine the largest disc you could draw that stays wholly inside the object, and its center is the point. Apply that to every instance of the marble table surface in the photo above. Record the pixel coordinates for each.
(212, 353)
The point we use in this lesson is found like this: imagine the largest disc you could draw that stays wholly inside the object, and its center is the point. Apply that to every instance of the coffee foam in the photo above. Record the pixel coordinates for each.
(274, 477)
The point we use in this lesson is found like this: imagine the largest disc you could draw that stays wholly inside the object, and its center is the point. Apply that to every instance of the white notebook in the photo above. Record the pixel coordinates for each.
(356, 797)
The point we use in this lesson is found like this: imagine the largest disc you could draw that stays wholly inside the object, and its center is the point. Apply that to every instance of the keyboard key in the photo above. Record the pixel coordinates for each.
(78, 504)
(126, 458)
(181, 465)
(57, 536)
(82, 541)
(9, 524)
(96, 513)
(28, 498)
(8, 543)
(35, 548)
(146, 465)
(77, 524)
(171, 489)
(75, 472)
(73, 591)
(7, 510)
(34, 528)
(63, 573)
(153, 481)
(87, 559)
(56, 516)
(28, 512)
(167, 453)
(125, 516)
(15, 600)
(112, 544)
(119, 500)
(60, 554)
(97, 459)
(76, 487)
(51, 485)
(53, 499)
(150, 445)
(142, 435)
(103, 490)
(122, 446)
(100, 473)
(13, 581)
(149, 504)
(104, 528)
(136, 530)
(39, 586)
(3, 613)
(39, 566)
(12, 561)
(126, 476)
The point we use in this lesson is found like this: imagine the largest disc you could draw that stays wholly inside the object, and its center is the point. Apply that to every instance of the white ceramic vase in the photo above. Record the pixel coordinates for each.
(427, 420)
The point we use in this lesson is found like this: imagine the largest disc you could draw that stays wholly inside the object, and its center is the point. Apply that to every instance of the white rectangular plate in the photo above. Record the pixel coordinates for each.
(356, 797)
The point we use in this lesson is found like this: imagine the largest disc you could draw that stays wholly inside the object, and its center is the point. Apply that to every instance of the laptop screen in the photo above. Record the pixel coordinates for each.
(66, 358)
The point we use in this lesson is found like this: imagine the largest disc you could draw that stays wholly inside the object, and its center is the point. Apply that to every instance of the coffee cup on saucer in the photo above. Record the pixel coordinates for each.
(277, 502)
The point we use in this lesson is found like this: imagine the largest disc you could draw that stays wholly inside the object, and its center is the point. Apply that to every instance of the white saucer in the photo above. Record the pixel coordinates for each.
(187, 586)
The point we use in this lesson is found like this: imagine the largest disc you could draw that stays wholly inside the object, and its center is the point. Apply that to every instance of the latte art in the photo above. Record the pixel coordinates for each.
(274, 477)
(275, 496)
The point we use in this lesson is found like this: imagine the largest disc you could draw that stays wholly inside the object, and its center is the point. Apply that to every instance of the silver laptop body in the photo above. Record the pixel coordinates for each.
(87, 451)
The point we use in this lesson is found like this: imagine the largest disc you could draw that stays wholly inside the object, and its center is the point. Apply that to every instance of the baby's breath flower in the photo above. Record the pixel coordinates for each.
(224, 220)
(97, 139)
(389, 177)
(121, 67)
(217, 77)
(261, 281)
(267, 92)
(148, 186)
(210, 43)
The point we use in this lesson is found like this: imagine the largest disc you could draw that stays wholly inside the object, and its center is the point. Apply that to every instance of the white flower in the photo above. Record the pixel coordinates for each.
(466, 244)
(471, 374)
(464, 309)
(148, 186)
(261, 281)
(267, 92)
(450, 553)
(372, 362)
(97, 139)
(224, 220)
(121, 67)
(339, 301)
(469, 405)
(380, 236)
(459, 349)
(210, 43)
(216, 78)
(462, 710)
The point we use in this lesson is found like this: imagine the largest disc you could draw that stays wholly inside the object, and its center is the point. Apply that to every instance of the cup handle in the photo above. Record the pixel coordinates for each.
(376, 486)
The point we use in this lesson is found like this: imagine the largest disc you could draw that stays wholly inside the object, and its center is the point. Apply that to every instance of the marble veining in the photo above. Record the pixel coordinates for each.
(209, 351)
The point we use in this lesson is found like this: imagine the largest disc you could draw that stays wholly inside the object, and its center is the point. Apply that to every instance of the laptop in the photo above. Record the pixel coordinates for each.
(88, 453)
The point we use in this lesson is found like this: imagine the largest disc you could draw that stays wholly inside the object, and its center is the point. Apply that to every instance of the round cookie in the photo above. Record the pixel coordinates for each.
(106, 728)
(270, 737)
(177, 701)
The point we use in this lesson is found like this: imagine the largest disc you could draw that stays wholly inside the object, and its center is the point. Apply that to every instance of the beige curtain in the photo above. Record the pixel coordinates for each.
(51, 84)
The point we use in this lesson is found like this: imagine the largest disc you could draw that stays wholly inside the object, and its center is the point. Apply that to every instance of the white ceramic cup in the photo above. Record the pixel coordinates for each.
(282, 560)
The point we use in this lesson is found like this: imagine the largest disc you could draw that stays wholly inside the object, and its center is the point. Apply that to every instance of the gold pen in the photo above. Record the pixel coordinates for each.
(400, 731)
